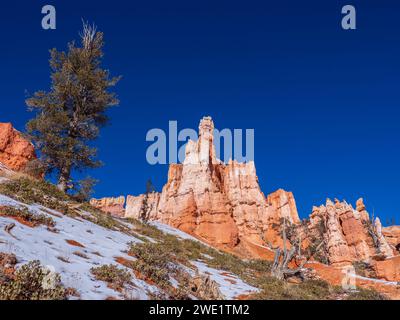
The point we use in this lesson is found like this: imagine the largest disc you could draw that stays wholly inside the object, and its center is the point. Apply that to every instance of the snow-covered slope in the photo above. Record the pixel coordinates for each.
(76, 245)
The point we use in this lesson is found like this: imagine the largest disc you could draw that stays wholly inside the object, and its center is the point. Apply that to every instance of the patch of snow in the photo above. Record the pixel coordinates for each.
(229, 284)
(391, 283)
(175, 232)
(207, 256)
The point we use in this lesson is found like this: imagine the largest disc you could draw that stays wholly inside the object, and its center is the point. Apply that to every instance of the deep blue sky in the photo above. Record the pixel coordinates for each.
(324, 102)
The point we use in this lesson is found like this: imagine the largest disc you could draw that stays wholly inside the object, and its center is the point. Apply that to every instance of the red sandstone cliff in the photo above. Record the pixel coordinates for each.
(113, 206)
(15, 151)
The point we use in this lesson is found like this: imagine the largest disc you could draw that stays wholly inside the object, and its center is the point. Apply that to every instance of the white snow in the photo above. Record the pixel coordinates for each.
(175, 232)
(230, 285)
(390, 283)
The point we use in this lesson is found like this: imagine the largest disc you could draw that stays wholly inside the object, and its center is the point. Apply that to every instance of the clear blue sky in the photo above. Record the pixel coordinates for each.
(324, 102)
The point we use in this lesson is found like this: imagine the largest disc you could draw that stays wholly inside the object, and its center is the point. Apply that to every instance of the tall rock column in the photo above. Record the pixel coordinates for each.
(383, 246)
(193, 199)
(337, 247)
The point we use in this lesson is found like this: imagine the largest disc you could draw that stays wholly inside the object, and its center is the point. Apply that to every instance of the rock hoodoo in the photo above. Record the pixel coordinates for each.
(348, 233)
(219, 203)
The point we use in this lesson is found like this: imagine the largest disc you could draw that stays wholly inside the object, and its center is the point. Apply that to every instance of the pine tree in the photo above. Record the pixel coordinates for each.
(70, 115)
(145, 209)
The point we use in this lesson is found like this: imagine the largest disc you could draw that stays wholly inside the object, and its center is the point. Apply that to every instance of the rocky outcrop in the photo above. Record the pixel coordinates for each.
(348, 233)
(325, 225)
(205, 288)
(15, 151)
(392, 235)
(135, 205)
(360, 207)
(284, 204)
(383, 246)
(388, 269)
(222, 204)
(113, 206)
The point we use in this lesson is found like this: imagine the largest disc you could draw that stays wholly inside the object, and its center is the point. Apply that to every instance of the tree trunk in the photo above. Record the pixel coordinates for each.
(65, 176)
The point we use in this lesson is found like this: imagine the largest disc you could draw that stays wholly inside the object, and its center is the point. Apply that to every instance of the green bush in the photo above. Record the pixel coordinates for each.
(364, 269)
(102, 219)
(29, 283)
(153, 261)
(26, 215)
(111, 274)
(146, 229)
(29, 191)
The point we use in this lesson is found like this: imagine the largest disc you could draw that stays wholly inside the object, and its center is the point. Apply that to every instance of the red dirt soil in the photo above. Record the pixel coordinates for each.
(75, 243)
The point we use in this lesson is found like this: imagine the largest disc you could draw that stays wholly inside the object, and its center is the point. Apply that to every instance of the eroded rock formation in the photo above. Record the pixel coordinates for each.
(388, 269)
(392, 235)
(113, 206)
(15, 150)
(348, 233)
(383, 246)
(219, 203)
(134, 205)
(222, 204)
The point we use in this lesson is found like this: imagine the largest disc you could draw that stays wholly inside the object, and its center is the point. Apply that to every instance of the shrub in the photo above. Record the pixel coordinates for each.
(153, 261)
(33, 282)
(111, 274)
(312, 290)
(28, 190)
(147, 229)
(7, 259)
(366, 294)
(26, 215)
(364, 269)
(102, 219)
(274, 289)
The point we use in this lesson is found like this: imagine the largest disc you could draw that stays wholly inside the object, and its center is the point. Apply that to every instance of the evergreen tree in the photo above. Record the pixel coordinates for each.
(145, 209)
(70, 115)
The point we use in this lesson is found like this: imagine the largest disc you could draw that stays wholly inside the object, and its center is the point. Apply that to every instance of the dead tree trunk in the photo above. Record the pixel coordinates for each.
(283, 257)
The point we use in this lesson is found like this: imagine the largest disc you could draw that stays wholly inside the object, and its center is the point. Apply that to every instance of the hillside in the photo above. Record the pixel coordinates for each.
(102, 257)
(212, 234)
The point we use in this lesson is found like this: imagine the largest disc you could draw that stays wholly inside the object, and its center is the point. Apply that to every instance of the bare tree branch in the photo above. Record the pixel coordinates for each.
(88, 34)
